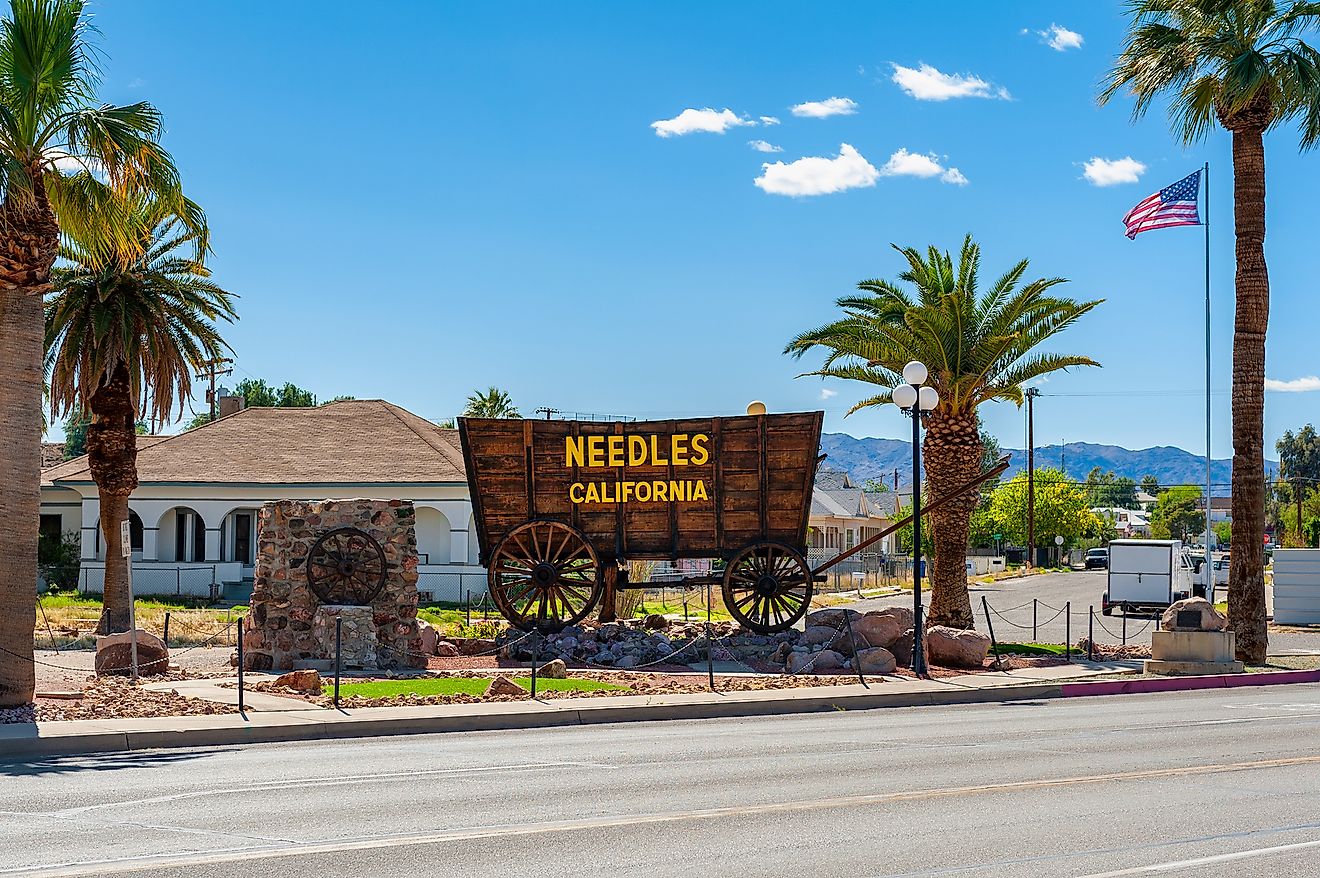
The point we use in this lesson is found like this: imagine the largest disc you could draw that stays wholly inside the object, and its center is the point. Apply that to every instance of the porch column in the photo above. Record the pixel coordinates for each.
(458, 546)
(149, 550)
(212, 545)
(91, 512)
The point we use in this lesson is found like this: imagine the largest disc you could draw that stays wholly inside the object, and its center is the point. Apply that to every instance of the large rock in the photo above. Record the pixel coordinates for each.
(477, 645)
(875, 660)
(822, 635)
(815, 663)
(114, 654)
(832, 617)
(882, 627)
(555, 669)
(902, 648)
(655, 622)
(955, 648)
(446, 649)
(427, 638)
(308, 681)
(1208, 618)
(502, 685)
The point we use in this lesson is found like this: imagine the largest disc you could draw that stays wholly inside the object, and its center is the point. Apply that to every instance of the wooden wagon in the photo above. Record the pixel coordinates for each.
(561, 505)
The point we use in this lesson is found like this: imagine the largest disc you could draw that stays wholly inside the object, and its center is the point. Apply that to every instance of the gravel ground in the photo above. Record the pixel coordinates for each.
(72, 669)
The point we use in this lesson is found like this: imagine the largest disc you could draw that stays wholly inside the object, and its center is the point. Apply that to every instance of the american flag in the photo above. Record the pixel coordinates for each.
(1172, 206)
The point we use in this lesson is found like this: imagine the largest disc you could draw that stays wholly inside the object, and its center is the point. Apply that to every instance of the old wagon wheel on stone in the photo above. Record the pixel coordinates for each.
(767, 587)
(545, 575)
(346, 566)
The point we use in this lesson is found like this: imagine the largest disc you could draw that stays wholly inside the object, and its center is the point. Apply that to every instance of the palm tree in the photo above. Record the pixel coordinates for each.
(1239, 63)
(494, 403)
(978, 347)
(123, 341)
(49, 117)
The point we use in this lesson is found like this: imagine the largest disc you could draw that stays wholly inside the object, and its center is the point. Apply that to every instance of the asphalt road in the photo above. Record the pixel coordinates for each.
(1011, 611)
(1208, 784)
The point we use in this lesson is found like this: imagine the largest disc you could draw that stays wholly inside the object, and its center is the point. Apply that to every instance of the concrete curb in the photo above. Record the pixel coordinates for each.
(102, 736)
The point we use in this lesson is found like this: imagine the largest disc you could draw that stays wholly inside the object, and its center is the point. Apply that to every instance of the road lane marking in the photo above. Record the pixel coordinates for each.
(313, 782)
(210, 858)
(1171, 866)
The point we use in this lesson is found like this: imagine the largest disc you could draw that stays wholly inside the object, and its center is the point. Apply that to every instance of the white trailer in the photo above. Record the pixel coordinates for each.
(1146, 575)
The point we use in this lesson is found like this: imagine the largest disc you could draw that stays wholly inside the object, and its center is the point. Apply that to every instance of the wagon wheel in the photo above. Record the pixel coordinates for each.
(346, 566)
(767, 587)
(544, 575)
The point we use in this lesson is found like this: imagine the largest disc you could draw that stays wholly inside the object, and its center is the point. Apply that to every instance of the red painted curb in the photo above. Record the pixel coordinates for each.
(1177, 684)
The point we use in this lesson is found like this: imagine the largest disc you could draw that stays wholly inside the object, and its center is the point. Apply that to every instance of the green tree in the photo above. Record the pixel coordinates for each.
(1109, 490)
(75, 433)
(49, 116)
(257, 393)
(877, 486)
(1150, 485)
(1223, 533)
(980, 346)
(123, 340)
(493, 403)
(1178, 514)
(1243, 65)
(1062, 509)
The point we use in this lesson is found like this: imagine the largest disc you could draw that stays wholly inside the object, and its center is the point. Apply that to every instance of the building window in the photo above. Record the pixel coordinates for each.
(52, 527)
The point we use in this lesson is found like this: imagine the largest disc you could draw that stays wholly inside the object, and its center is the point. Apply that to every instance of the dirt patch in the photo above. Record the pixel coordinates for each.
(115, 698)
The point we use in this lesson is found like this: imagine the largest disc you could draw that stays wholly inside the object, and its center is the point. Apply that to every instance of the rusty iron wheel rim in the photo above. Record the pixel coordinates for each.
(346, 566)
(767, 587)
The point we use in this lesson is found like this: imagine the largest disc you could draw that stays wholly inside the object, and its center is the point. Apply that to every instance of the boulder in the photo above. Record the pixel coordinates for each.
(502, 685)
(114, 654)
(902, 649)
(446, 649)
(875, 660)
(427, 638)
(1208, 618)
(832, 617)
(475, 645)
(815, 663)
(818, 635)
(555, 669)
(308, 681)
(882, 627)
(655, 622)
(956, 648)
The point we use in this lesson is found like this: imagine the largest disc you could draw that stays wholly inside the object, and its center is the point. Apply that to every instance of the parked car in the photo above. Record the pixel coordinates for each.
(1146, 576)
(1097, 559)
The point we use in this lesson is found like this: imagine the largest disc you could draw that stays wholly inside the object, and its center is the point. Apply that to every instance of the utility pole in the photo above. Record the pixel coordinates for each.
(1301, 534)
(214, 369)
(895, 480)
(1032, 393)
(547, 411)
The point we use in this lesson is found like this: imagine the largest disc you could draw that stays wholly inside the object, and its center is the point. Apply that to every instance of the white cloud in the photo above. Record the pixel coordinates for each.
(954, 176)
(691, 121)
(817, 175)
(763, 146)
(827, 107)
(925, 83)
(826, 393)
(769, 120)
(1112, 172)
(917, 164)
(1059, 38)
(1295, 385)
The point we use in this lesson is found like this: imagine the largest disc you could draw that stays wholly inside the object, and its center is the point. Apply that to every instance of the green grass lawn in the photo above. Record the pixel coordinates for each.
(1031, 649)
(461, 686)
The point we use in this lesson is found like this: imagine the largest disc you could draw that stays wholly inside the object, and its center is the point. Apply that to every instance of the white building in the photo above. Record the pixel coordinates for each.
(193, 517)
(843, 515)
(1127, 522)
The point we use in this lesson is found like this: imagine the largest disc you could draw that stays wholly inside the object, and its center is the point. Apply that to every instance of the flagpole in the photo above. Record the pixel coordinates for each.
(1209, 566)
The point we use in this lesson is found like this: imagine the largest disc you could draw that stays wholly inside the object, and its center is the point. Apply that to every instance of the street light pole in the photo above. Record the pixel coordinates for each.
(916, 398)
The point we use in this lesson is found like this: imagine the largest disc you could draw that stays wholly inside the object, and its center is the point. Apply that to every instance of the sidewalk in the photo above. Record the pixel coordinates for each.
(272, 718)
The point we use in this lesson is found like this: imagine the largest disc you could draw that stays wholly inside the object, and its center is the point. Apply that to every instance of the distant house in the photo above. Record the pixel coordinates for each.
(1221, 508)
(843, 515)
(1127, 522)
(193, 518)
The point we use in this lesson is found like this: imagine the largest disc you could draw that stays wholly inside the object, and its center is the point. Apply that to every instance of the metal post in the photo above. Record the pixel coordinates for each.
(467, 606)
(1090, 634)
(1031, 477)
(166, 637)
(1034, 637)
(918, 648)
(1067, 631)
(339, 641)
(536, 652)
(1209, 567)
(240, 664)
(710, 645)
(990, 628)
(852, 644)
(1125, 626)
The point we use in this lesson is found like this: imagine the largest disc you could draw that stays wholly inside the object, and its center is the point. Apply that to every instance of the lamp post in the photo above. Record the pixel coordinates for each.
(916, 398)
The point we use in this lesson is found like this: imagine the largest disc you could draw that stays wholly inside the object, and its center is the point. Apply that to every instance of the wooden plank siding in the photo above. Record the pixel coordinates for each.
(758, 477)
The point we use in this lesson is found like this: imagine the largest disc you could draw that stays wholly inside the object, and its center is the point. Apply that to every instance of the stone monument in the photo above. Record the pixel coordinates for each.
(1192, 640)
(327, 560)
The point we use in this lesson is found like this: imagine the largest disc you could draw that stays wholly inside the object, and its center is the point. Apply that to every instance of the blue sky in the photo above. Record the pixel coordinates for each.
(421, 199)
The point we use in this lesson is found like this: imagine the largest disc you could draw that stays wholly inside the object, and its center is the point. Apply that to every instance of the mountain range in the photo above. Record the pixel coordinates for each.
(872, 458)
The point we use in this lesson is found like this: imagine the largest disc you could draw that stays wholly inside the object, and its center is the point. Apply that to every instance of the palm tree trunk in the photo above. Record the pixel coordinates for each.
(953, 450)
(112, 459)
(20, 487)
(1246, 583)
